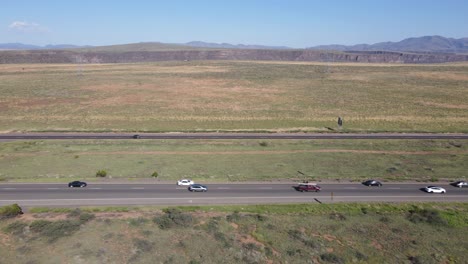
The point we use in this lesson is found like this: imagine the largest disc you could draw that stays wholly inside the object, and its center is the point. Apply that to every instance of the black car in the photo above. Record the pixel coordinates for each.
(77, 184)
(136, 136)
(460, 184)
(372, 183)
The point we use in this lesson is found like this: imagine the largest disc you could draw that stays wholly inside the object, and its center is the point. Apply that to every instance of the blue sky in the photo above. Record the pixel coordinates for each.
(293, 23)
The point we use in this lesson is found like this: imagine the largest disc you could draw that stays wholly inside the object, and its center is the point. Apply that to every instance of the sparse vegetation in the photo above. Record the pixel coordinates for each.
(234, 96)
(259, 234)
(173, 217)
(218, 160)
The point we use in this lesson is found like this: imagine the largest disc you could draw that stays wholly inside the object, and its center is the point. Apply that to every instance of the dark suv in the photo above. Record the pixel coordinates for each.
(305, 187)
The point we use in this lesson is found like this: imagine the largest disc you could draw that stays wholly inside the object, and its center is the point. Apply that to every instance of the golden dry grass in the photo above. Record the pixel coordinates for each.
(214, 95)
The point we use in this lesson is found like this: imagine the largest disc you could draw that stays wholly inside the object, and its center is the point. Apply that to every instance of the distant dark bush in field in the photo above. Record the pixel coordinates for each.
(417, 215)
(101, 173)
(164, 222)
(155, 174)
(173, 217)
(263, 144)
(74, 213)
(234, 217)
(143, 245)
(331, 258)
(15, 228)
(360, 256)
(385, 219)
(298, 235)
(85, 217)
(55, 230)
(10, 211)
(137, 221)
(337, 216)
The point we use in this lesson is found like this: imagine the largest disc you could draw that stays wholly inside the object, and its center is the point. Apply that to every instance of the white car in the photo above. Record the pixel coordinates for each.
(434, 189)
(185, 182)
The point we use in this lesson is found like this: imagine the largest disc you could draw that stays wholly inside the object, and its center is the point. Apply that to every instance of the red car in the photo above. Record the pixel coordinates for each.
(307, 187)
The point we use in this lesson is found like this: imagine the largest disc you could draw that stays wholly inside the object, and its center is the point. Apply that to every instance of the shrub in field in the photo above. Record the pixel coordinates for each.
(164, 222)
(430, 216)
(235, 216)
(143, 245)
(300, 236)
(173, 217)
(337, 216)
(155, 174)
(101, 173)
(15, 228)
(10, 211)
(55, 230)
(85, 217)
(331, 258)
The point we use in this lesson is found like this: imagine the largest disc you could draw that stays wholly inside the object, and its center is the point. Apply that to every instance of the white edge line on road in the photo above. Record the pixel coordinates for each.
(208, 198)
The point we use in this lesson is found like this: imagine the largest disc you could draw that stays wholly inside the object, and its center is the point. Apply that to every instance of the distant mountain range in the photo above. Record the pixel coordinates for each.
(422, 44)
(431, 44)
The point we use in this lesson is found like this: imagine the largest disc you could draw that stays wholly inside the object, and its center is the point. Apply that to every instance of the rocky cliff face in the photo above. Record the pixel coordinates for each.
(67, 56)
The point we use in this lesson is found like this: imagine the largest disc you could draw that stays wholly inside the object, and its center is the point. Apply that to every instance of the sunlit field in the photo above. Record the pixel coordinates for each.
(234, 160)
(234, 96)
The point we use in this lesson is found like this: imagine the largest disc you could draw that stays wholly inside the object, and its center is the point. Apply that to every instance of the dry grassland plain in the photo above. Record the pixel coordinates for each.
(234, 160)
(234, 96)
(303, 233)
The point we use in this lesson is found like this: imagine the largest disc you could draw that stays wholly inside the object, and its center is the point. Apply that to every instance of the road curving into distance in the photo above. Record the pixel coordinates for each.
(109, 194)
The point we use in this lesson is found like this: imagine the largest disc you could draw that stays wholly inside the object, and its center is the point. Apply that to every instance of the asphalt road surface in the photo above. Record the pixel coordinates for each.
(59, 195)
(36, 136)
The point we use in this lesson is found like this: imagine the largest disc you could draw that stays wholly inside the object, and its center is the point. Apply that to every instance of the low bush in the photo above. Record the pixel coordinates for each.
(101, 173)
(331, 258)
(10, 211)
(338, 216)
(143, 245)
(55, 230)
(15, 228)
(429, 216)
(234, 217)
(173, 217)
(85, 217)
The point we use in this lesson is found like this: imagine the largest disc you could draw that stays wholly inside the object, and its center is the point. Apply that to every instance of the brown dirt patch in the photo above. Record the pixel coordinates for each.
(452, 76)
(443, 105)
(29, 217)
(5, 240)
(377, 245)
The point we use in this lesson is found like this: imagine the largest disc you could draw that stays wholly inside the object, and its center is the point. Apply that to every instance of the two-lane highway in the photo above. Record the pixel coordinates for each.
(30, 195)
(50, 136)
